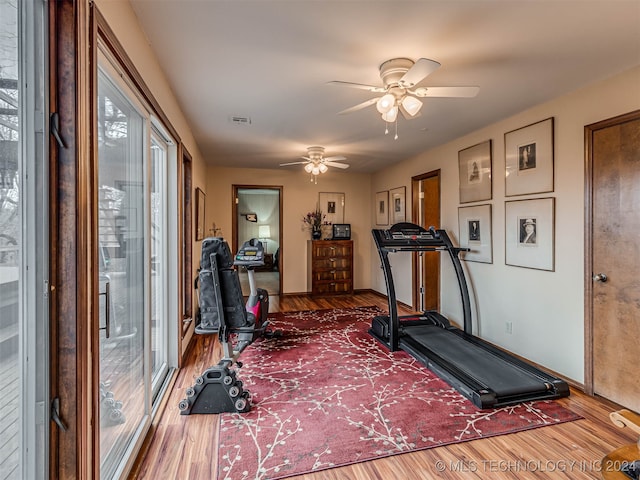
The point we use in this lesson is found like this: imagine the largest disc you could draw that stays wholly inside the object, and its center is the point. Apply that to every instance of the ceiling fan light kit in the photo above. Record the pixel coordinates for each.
(316, 163)
(398, 95)
(399, 77)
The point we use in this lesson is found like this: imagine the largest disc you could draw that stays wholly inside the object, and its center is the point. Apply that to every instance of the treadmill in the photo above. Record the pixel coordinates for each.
(485, 374)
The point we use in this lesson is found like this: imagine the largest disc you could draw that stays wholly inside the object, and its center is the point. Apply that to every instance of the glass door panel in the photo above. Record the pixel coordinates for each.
(24, 353)
(159, 310)
(11, 278)
(123, 237)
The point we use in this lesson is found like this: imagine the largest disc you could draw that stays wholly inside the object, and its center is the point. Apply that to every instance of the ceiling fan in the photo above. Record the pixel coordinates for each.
(315, 162)
(399, 92)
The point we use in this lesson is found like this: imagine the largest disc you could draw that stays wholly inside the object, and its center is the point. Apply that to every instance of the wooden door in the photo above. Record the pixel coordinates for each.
(613, 266)
(426, 267)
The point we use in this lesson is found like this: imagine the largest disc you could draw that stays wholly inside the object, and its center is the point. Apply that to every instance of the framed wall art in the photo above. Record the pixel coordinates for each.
(382, 208)
(474, 166)
(530, 233)
(474, 225)
(529, 159)
(397, 205)
(332, 204)
(200, 199)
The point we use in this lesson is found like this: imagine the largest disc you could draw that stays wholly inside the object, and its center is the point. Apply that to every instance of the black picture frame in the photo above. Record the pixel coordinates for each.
(529, 159)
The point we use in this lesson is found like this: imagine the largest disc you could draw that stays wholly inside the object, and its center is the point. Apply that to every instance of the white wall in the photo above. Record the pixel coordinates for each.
(299, 196)
(546, 308)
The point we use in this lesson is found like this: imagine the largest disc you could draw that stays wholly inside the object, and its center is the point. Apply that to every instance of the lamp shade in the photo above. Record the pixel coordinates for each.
(264, 231)
(391, 115)
(411, 104)
(386, 103)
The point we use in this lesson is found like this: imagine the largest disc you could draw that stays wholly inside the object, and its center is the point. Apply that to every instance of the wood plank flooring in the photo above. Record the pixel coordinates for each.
(184, 447)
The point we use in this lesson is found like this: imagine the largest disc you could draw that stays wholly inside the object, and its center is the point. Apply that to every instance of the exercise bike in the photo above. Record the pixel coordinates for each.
(250, 256)
(222, 311)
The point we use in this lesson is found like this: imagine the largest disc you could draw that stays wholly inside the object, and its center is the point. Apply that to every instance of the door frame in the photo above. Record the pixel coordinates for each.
(589, 132)
(416, 272)
(234, 218)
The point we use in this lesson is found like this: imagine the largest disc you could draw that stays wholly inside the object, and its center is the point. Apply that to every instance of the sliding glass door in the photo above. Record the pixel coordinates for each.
(122, 237)
(135, 231)
(11, 273)
(24, 382)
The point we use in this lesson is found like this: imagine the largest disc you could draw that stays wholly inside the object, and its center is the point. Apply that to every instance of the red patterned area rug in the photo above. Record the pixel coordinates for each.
(327, 394)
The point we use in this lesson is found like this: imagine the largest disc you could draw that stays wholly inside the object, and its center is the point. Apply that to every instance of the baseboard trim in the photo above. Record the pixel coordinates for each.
(382, 295)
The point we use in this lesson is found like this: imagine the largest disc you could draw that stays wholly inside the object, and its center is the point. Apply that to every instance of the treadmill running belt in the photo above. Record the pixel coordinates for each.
(494, 372)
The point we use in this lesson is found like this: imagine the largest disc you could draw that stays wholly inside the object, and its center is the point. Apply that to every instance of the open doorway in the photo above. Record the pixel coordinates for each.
(257, 213)
(426, 265)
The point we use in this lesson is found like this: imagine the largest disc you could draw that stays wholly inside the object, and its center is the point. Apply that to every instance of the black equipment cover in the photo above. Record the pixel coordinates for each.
(220, 297)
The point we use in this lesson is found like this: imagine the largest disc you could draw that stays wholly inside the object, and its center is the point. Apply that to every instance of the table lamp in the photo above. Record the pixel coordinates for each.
(264, 233)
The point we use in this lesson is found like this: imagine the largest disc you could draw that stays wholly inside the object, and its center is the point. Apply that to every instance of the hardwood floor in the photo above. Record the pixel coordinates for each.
(270, 281)
(184, 447)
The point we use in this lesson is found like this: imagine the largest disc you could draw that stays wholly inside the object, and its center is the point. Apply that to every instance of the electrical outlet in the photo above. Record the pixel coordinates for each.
(509, 327)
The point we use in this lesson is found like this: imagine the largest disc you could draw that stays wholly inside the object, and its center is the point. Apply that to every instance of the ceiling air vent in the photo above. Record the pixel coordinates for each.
(238, 120)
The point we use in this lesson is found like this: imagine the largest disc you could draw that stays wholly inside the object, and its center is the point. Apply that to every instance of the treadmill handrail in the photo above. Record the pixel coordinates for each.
(462, 281)
(437, 240)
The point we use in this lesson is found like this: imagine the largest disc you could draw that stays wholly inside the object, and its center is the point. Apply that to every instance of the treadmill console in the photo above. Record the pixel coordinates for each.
(407, 234)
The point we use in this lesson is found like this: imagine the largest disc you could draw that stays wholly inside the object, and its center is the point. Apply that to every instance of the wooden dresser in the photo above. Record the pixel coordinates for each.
(330, 268)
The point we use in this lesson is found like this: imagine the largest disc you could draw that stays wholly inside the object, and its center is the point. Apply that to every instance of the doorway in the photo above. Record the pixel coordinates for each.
(257, 213)
(612, 265)
(425, 192)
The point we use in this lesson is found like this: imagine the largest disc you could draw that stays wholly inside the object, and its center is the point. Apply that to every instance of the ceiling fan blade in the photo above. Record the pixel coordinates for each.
(361, 86)
(292, 163)
(334, 158)
(418, 72)
(338, 165)
(460, 92)
(360, 106)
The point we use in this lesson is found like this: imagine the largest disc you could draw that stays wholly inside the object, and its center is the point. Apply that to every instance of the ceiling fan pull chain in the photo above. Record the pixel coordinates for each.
(386, 128)
(396, 137)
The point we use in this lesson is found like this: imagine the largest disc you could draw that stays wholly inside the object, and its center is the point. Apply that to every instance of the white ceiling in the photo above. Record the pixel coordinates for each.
(270, 60)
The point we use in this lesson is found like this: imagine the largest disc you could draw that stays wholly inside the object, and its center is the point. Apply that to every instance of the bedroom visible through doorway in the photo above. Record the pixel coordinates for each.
(257, 214)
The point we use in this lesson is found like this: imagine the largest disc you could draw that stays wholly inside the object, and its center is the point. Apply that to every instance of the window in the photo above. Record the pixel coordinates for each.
(23, 259)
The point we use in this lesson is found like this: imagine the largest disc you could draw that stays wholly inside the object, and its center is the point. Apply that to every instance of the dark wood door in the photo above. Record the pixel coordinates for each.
(426, 267)
(614, 283)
